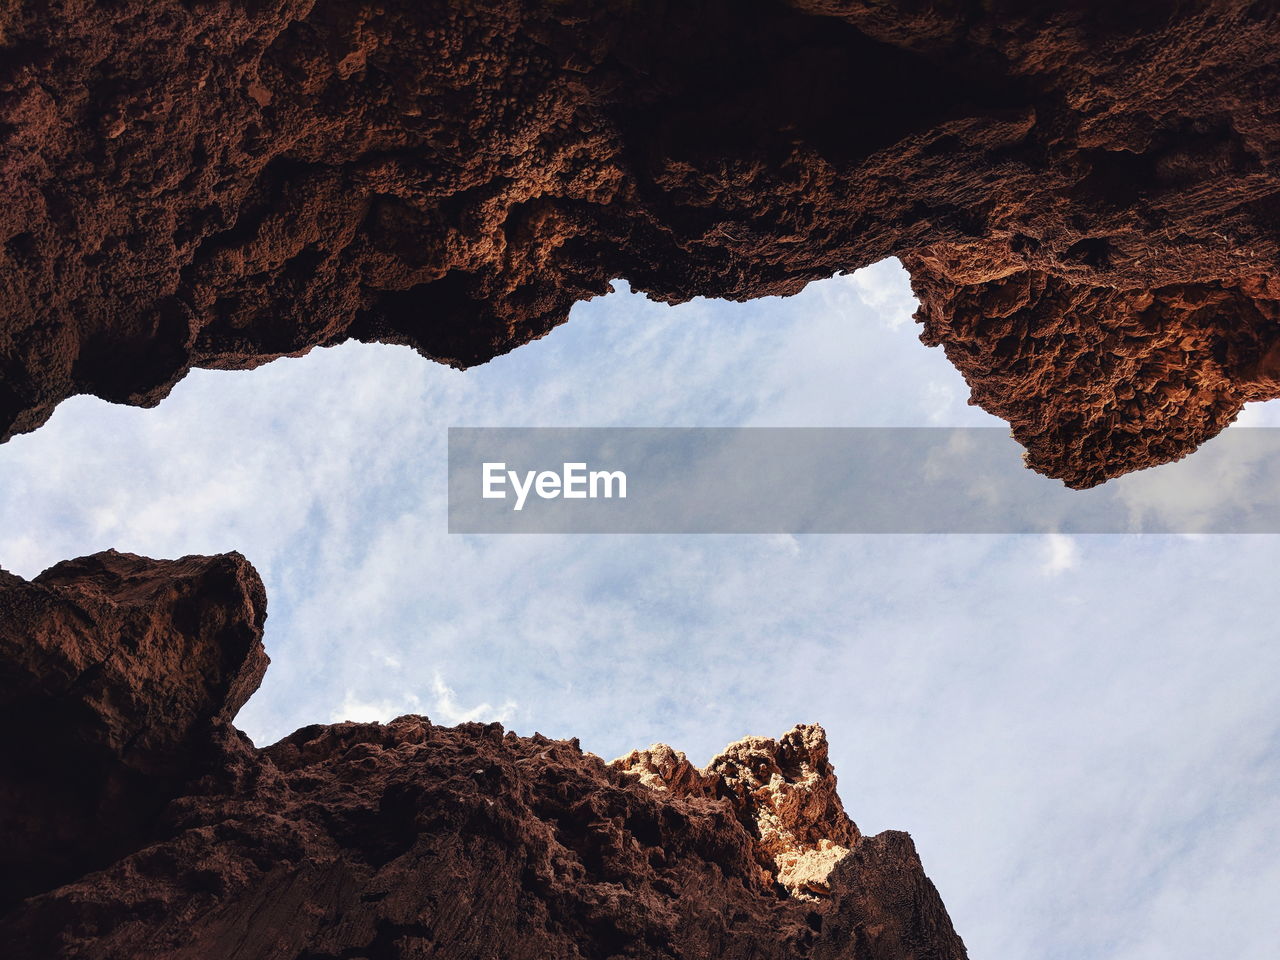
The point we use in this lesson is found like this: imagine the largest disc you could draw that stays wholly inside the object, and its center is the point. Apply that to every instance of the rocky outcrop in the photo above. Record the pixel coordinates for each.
(397, 840)
(1087, 199)
(784, 793)
(113, 669)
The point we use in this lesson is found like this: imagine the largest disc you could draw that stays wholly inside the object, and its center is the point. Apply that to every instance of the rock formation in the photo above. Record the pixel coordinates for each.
(1087, 198)
(140, 823)
(112, 669)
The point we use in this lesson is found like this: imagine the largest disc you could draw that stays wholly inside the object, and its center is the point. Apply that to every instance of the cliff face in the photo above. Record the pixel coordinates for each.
(1087, 201)
(148, 826)
(112, 670)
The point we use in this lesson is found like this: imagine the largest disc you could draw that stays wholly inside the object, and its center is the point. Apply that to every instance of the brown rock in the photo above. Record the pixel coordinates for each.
(113, 668)
(1087, 199)
(405, 839)
(784, 794)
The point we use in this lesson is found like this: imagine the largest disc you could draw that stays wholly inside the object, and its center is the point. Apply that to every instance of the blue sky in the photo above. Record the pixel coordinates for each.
(1080, 733)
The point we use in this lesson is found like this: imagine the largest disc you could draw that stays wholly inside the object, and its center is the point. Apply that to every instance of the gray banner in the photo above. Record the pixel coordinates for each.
(836, 480)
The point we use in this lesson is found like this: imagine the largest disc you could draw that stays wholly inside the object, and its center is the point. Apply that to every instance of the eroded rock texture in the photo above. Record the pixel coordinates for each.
(1087, 198)
(113, 669)
(146, 825)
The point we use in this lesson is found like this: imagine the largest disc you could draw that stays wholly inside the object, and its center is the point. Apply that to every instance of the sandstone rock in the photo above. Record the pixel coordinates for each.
(113, 669)
(1086, 197)
(404, 839)
(787, 791)
(782, 791)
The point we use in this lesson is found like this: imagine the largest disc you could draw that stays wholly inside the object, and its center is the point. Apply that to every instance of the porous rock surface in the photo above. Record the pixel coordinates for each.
(171, 836)
(1086, 194)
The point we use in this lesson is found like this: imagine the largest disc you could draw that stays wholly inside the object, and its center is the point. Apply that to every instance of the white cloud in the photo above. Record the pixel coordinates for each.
(448, 711)
(443, 708)
(1061, 554)
(371, 711)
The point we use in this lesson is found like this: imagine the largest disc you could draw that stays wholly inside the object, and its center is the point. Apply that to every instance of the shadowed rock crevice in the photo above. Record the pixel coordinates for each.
(1076, 193)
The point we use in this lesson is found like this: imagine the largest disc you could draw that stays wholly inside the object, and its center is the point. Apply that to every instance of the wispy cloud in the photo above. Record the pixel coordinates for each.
(442, 706)
(1061, 554)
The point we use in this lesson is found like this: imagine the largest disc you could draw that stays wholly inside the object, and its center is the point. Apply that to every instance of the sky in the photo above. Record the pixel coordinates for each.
(1079, 732)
